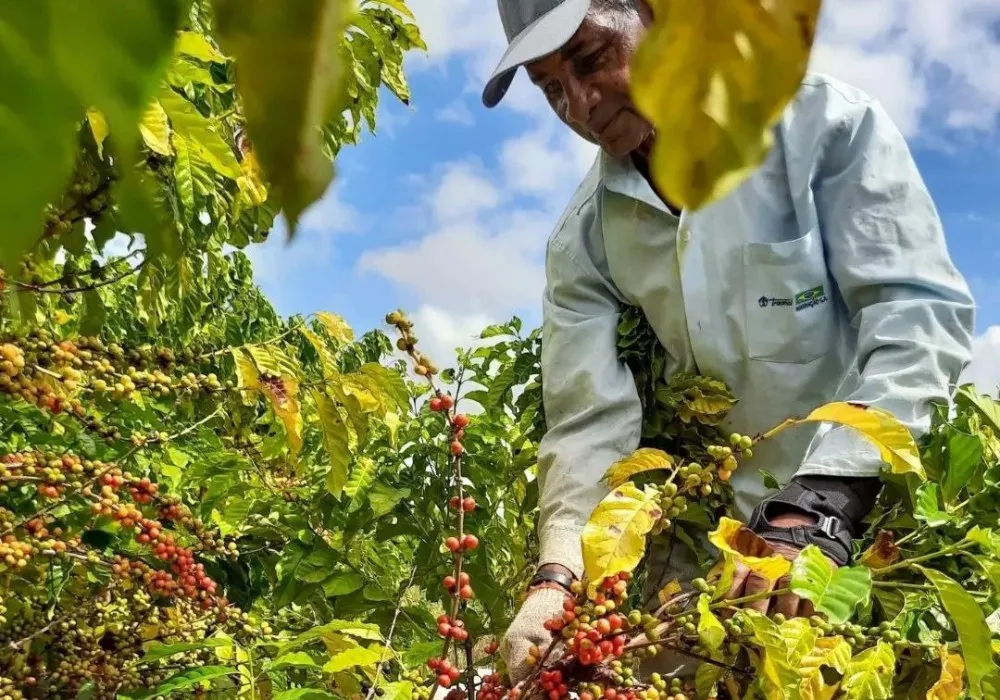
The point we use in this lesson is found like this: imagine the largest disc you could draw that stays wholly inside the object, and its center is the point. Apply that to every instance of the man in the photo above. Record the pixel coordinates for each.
(823, 277)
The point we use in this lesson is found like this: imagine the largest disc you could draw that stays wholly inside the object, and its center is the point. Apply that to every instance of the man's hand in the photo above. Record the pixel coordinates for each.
(746, 583)
(528, 630)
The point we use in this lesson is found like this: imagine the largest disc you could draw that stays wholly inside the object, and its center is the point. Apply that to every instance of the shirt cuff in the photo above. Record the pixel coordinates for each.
(842, 451)
(562, 545)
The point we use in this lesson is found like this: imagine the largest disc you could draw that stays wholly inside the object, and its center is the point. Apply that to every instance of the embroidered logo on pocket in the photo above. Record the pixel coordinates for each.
(810, 297)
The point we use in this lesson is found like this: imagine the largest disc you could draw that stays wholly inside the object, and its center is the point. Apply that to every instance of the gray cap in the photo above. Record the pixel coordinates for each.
(535, 28)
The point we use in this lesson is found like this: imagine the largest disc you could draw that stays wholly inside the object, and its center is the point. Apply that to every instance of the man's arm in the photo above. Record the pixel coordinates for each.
(915, 317)
(592, 408)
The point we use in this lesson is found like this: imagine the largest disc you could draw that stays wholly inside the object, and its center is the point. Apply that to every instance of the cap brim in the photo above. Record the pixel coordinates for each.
(544, 36)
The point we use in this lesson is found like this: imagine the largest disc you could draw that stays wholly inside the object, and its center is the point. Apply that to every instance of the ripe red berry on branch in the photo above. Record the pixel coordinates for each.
(460, 421)
(456, 448)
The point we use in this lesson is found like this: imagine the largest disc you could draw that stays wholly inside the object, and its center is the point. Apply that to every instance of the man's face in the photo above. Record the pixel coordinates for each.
(587, 81)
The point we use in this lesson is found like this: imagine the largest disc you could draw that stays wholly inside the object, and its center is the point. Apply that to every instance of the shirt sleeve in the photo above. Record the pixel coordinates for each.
(592, 407)
(886, 252)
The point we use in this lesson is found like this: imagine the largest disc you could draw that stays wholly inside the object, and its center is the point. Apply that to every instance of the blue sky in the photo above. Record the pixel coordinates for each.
(445, 211)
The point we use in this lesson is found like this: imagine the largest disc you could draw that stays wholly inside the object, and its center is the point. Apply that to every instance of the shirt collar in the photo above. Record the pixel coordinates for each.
(622, 177)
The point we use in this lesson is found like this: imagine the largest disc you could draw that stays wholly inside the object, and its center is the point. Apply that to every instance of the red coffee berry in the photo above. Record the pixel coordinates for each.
(444, 629)
(433, 663)
(469, 504)
(460, 421)
(456, 448)
(436, 405)
(444, 680)
(463, 578)
(470, 542)
(466, 592)
(442, 619)
(454, 503)
(452, 543)
(446, 402)
(449, 583)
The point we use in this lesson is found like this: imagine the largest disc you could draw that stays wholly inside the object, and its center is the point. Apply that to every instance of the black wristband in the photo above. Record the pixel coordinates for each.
(557, 577)
(838, 505)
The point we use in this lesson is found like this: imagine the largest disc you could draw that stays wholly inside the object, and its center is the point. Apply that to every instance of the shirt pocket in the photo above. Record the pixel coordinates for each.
(790, 314)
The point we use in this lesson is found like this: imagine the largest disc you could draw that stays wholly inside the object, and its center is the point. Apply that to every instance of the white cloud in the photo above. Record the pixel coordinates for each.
(276, 263)
(904, 51)
(456, 113)
(464, 191)
(984, 370)
(441, 332)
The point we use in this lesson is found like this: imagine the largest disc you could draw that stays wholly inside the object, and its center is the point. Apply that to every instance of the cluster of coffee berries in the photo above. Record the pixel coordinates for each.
(592, 627)
(492, 688)
(447, 672)
(408, 343)
(448, 627)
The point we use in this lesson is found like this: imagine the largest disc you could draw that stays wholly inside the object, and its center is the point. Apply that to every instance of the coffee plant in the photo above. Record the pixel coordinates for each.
(199, 498)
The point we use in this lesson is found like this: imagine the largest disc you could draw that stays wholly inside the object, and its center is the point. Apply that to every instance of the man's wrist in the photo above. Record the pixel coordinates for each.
(552, 574)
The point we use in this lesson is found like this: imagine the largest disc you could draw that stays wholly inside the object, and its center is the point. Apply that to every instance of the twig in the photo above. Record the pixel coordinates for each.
(388, 638)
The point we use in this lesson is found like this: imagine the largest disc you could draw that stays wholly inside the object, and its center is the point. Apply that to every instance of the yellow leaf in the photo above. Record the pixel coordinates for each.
(833, 652)
(642, 460)
(725, 537)
(883, 551)
(99, 128)
(197, 46)
(950, 685)
(711, 633)
(155, 129)
(881, 428)
(392, 421)
(869, 674)
(614, 538)
(283, 393)
(665, 594)
(252, 182)
(337, 327)
(247, 376)
(715, 76)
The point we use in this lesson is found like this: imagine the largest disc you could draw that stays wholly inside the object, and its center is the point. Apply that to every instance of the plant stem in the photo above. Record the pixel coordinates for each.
(907, 563)
(737, 602)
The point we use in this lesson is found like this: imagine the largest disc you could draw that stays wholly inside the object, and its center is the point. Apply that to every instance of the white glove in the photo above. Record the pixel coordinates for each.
(528, 630)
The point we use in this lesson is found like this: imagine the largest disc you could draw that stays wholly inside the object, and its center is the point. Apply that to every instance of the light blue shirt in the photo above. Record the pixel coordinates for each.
(824, 276)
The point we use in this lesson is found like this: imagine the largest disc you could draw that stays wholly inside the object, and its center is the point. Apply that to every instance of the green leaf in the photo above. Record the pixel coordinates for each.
(769, 480)
(317, 565)
(285, 110)
(706, 678)
(202, 135)
(985, 406)
(836, 592)
(298, 659)
(964, 454)
(184, 173)
(711, 633)
(157, 650)
(94, 313)
(398, 690)
(343, 583)
(973, 633)
(40, 114)
(304, 694)
(198, 46)
(391, 383)
(112, 52)
(335, 441)
(360, 630)
(417, 654)
(383, 498)
(155, 130)
(869, 674)
(927, 506)
(188, 679)
(351, 658)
